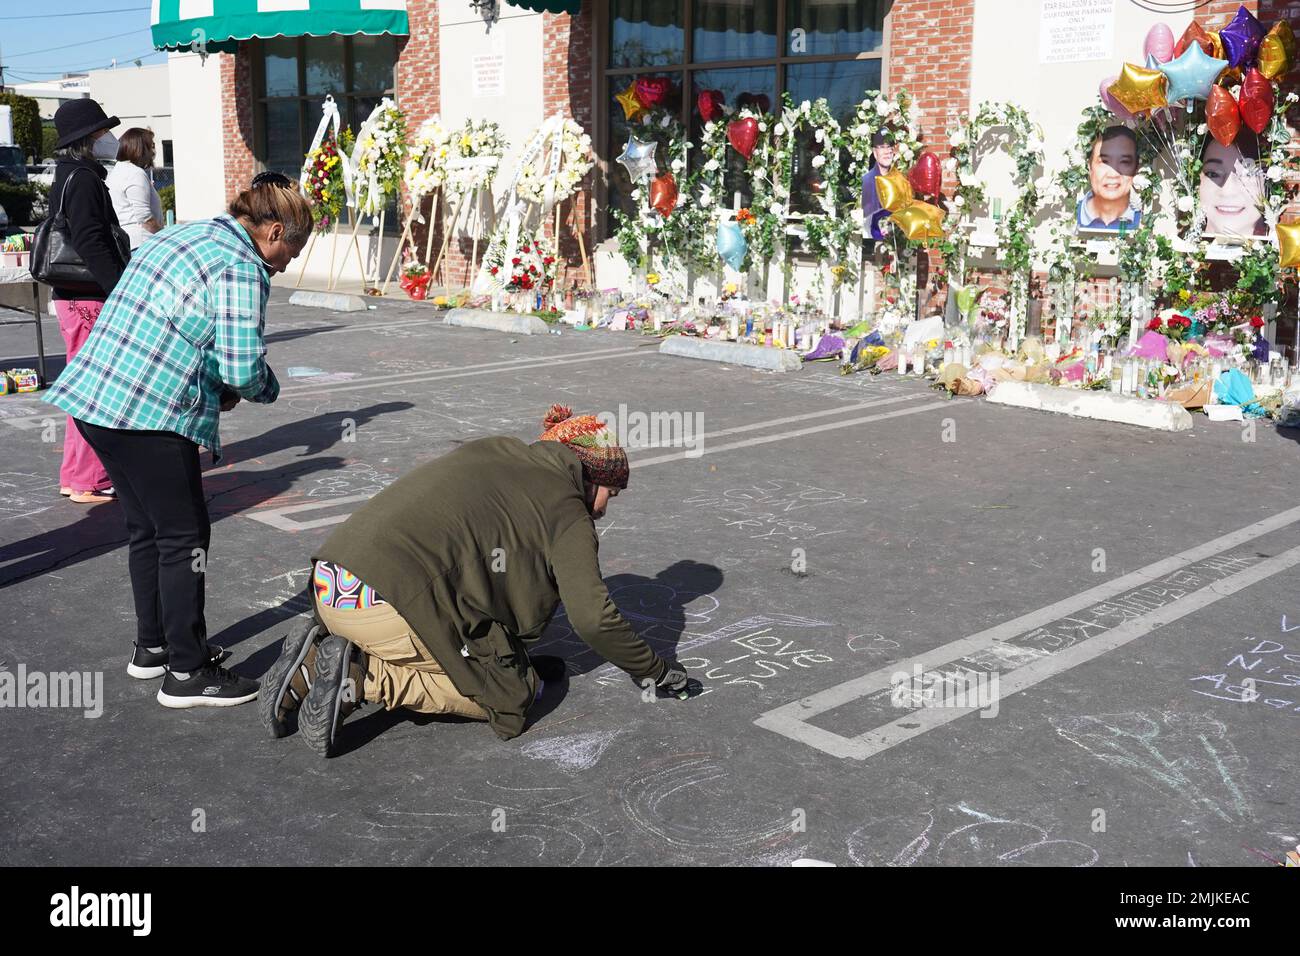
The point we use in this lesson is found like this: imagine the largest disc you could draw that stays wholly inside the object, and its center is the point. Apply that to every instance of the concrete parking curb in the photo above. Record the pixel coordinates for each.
(732, 353)
(496, 321)
(1100, 406)
(334, 301)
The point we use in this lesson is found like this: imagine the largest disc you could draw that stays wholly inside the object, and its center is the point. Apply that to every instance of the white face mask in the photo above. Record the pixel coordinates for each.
(106, 147)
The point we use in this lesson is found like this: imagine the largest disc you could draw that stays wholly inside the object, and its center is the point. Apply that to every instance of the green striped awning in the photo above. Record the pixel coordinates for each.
(217, 26)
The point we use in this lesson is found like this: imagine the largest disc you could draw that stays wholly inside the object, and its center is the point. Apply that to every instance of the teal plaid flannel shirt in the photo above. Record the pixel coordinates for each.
(186, 318)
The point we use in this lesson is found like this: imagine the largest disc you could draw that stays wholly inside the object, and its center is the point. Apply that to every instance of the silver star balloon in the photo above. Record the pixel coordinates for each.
(638, 159)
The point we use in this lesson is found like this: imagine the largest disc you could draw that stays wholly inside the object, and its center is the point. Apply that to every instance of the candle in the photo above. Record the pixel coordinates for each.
(902, 362)
(733, 327)
(844, 355)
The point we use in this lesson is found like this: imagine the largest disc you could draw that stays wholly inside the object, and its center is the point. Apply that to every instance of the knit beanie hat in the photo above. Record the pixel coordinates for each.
(603, 461)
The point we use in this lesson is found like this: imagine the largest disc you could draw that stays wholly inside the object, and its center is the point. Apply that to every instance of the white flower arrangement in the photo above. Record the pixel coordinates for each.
(379, 158)
(575, 161)
(473, 141)
(426, 158)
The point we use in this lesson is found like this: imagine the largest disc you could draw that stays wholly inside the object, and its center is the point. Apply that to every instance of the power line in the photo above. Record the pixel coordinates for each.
(66, 46)
(95, 64)
(88, 13)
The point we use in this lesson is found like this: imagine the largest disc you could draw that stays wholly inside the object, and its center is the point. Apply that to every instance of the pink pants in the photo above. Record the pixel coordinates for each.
(81, 469)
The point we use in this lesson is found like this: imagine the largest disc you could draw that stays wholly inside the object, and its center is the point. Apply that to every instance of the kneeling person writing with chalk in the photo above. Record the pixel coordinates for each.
(427, 593)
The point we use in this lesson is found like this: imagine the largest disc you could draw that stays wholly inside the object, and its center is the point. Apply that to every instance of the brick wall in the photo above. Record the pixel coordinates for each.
(419, 87)
(930, 55)
(568, 89)
(237, 120)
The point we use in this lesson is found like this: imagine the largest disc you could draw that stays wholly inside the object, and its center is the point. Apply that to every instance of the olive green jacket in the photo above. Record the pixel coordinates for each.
(475, 550)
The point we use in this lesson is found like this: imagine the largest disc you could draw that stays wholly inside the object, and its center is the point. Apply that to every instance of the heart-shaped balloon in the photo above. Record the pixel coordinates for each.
(710, 104)
(1159, 43)
(1256, 100)
(731, 245)
(1222, 116)
(1195, 33)
(1241, 38)
(1108, 101)
(893, 190)
(653, 91)
(926, 176)
(1277, 51)
(920, 220)
(663, 194)
(743, 135)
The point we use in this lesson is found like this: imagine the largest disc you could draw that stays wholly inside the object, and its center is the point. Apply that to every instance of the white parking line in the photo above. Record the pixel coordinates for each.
(791, 720)
(439, 375)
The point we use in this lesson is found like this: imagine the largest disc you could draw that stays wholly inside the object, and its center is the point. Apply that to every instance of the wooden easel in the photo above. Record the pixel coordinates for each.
(407, 235)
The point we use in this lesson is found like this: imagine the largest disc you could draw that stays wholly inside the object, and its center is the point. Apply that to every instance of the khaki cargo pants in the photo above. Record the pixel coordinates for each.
(400, 672)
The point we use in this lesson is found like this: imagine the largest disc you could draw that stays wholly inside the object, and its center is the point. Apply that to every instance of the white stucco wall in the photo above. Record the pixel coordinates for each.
(138, 96)
(198, 154)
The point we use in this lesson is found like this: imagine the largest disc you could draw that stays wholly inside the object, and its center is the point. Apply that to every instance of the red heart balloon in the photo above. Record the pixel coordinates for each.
(926, 176)
(1222, 116)
(651, 91)
(663, 194)
(1256, 100)
(743, 135)
(710, 104)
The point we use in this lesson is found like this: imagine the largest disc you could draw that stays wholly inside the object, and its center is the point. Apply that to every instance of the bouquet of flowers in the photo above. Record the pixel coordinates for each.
(471, 150)
(426, 159)
(575, 161)
(322, 180)
(532, 267)
(378, 158)
(1172, 325)
(415, 280)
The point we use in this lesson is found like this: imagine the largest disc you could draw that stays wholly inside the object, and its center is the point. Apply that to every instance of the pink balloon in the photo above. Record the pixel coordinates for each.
(1109, 101)
(1159, 43)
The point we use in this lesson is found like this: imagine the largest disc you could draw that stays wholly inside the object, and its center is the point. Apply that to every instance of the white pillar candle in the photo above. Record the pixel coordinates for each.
(844, 355)
(733, 327)
(902, 362)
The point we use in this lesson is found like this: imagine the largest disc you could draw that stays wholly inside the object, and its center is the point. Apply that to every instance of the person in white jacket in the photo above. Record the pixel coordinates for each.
(136, 202)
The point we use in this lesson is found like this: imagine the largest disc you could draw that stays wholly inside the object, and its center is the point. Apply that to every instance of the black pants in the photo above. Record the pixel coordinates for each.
(159, 484)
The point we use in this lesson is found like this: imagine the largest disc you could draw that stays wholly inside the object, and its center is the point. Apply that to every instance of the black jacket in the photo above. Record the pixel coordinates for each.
(89, 211)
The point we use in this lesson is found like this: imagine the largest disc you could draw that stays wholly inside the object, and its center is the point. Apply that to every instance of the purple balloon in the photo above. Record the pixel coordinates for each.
(1241, 38)
(1159, 43)
(1108, 101)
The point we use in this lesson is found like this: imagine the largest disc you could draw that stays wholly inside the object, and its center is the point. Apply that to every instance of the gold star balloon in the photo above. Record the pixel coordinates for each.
(920, 220)
(1277, 51)
(1288, 241)
(1140, 90)
(893, 190)
(632, 108)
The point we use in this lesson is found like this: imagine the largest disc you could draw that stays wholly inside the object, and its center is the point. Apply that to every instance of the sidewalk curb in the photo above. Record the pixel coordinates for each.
(732, 353)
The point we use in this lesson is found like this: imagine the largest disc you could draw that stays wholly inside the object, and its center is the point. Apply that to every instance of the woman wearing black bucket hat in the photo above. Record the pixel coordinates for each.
(79, 190)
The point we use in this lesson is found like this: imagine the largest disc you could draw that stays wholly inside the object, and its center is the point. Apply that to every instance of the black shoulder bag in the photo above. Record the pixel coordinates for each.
(55, 262)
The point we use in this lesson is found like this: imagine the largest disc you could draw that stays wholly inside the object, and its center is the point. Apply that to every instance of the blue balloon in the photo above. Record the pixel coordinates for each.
(731, 244)
(1192, 74)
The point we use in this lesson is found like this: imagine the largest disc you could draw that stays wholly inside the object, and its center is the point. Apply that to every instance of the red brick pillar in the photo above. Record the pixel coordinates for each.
(419, 91)
(568, 89)
(237, 120)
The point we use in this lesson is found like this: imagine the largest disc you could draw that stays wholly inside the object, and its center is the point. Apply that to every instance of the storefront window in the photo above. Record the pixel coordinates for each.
(820, 27)
(812, 48)
(646, 33)
(733, 30)
(293, 75)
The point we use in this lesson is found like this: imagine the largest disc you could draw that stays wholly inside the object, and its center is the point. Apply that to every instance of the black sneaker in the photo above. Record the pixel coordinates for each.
(146, 664)
(210, 686)
(336, 691)
(286, 684)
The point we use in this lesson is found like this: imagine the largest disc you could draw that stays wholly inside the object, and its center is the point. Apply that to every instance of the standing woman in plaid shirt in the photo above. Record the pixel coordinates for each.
(179, 341)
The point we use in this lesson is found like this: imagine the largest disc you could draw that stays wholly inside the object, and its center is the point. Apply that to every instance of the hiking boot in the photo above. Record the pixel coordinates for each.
(209, 686)
(286, 684)
(147, 663)
(336, 691)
